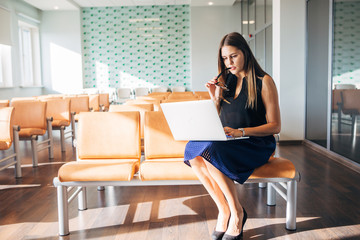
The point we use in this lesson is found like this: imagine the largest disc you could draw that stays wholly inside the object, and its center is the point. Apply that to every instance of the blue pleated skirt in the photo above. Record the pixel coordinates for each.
(237, 159)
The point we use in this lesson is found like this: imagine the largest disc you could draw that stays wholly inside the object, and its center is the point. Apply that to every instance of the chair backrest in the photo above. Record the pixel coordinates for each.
(179, 100)
(180, 95)
(141, 108)
(152, 97)
(159, 89)
(336, 99)
(124, 93)
(159, 94)
(78, 103)
(159, 142)
(141, 91)
(58, 109)
(156, 103)
(178, 89)
(202, 94)
(44, 97)
(110, 91)
(94, 101)
(4, 103)
(6, 125)
(29, 114)
(345, 86)
(351, 101)
(23, 99)
(104, 100)
(109, 135)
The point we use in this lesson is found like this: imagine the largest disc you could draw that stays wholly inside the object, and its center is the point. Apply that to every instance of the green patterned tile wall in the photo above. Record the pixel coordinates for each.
(346, 48)
(136, 46)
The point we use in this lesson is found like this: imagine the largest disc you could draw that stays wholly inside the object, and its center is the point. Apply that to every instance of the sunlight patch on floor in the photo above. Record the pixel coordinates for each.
(3, 187)
(262, 222)
(175, 207)
(342, 232)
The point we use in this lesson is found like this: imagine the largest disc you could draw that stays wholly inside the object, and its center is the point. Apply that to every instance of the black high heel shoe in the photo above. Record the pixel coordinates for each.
(238, 237)
(217, 235)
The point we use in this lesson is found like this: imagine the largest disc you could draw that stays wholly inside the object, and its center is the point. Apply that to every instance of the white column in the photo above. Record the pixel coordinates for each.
(289, 61)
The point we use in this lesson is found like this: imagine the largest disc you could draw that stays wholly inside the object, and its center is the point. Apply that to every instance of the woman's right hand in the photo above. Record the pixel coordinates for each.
(213, 89)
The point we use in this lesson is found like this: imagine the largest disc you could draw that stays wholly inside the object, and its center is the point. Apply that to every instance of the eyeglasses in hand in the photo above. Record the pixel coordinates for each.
(221, 84)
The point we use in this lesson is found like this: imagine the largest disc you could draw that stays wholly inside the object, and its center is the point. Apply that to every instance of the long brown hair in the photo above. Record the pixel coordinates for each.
(251, 66)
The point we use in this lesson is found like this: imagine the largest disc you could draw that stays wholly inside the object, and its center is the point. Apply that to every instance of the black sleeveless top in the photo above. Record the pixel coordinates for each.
(236, 114)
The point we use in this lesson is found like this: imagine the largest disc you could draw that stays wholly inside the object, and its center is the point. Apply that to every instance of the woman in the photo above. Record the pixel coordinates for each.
(247, 102)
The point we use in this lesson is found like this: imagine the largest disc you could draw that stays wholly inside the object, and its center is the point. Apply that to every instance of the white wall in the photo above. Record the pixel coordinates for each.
(15, 7)
(61, 51)
(289, 44)
(208, 26)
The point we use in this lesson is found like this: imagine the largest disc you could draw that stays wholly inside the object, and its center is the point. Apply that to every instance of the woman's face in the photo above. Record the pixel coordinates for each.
(233, 58)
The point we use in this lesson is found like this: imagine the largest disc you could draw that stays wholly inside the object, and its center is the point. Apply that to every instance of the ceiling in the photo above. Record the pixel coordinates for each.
(65, 5)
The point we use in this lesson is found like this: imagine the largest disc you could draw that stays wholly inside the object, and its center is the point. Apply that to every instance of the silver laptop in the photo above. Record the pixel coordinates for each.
(195, 120)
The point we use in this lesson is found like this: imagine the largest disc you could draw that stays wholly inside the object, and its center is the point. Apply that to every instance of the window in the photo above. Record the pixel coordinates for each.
(29, 55)
(5, 66)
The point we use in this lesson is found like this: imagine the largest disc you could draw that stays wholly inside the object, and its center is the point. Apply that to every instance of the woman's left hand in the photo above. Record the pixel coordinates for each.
(232, 132)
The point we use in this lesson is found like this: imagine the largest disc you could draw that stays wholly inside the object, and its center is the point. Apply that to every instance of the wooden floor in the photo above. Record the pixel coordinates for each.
(328, 205)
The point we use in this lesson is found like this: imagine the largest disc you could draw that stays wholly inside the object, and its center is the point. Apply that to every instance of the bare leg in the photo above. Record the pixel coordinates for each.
(200, 168)
(228, 188)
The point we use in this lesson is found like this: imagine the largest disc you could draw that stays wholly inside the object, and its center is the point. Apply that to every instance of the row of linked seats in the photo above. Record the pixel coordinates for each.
(32, 118)
(109, 154)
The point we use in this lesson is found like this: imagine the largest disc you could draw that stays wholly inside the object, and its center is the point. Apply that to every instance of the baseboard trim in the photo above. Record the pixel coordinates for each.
(290, 142)
(333, 156)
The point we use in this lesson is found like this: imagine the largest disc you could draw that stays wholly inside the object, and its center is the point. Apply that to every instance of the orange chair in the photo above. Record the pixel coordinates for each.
(9, 134)
(59, 111)
(31, 117)
(50, 96)
(78, 104)
(108, 151)
(141, 108)
(94, 102)
(23, 99)
(4, 103)
(180, 94)
(351, 106)
(202, 95)
(156, 103)
(152, 97)
(104, 102)
(164, 157)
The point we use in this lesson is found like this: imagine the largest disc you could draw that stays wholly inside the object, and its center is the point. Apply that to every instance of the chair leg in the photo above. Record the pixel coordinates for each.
(17, 153)
(339, 119)
(262, 185)
(50, 137)
(291, 205)
(63, 211)
(353, 125)
(34, 150)
(271, 195)
(82, 199)
(62, 138)
(73, 127)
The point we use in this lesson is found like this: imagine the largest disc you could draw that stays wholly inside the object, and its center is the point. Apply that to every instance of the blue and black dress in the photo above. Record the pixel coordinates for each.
(237, 159)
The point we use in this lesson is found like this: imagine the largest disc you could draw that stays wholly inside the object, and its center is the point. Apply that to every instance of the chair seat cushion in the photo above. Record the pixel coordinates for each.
(28, 132)
(59, 123)
(166, 169)
(275, 168)
(98, 170)
(4, 145)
